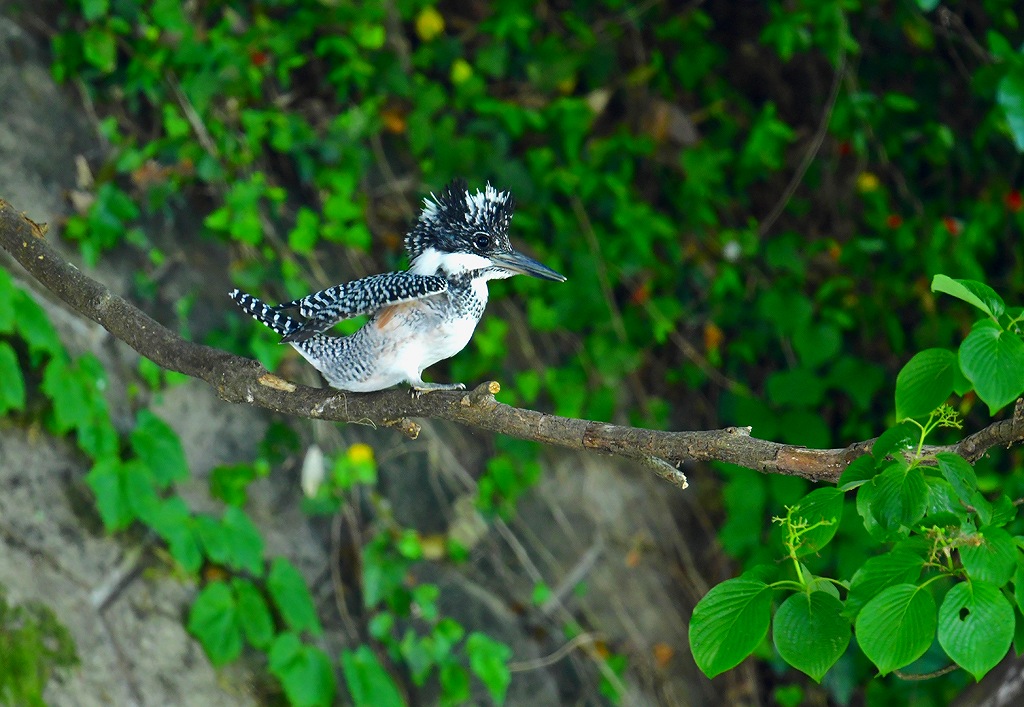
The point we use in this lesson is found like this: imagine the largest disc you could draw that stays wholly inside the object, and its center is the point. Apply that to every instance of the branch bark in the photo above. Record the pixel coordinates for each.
(242, 380)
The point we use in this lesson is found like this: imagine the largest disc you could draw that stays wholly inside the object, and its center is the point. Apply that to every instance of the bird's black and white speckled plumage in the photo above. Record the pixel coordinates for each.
(418, 317)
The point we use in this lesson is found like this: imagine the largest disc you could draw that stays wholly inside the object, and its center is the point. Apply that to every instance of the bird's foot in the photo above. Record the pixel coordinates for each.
(421, 388)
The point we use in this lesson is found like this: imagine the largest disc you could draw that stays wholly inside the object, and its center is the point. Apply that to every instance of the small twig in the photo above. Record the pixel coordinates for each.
(521, 666)
(810, 153)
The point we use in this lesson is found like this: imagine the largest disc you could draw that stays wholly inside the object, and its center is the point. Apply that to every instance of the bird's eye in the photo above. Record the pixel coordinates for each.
(481, 241)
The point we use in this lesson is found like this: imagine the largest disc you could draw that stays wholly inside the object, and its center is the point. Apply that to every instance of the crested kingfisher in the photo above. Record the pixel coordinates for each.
(418, 316)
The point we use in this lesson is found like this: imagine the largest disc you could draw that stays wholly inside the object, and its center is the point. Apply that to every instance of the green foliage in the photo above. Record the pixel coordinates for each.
(33, 644)
(946, 562)
(304, 671)
(367, 681)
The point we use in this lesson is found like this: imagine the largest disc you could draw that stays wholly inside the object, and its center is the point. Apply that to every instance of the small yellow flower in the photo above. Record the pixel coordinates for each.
(429, 23)
(867, 182)
(461, 71)
(359, 453)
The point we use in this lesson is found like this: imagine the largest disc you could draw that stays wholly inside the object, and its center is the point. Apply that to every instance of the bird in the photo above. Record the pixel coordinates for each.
(418, 316)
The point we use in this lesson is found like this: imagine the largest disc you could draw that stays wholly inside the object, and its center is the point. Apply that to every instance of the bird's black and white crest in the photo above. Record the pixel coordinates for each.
(450, 222)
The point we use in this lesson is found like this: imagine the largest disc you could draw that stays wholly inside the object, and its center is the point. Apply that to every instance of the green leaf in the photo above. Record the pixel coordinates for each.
(213, 537)
(12, 385)
(69, 391)
(213, 619)
(959, 473)
(291, 596)
(927, 5)
(172, 521)
(990, 556)
(925, 383)
(993, 360)
(34, 326)
(824, 504)
(976, 625)
(94, 9)
(1018, 586)
(488, 659)
(901, 496)
(729, 623)
(253, 614)
(859, 471)
(8, 295)
(367, 681)
(1010, 96)
(245, 544)
(896, 627)
(106, 479)
(977, 293)
(159, 448)
(99, 47)
(304, 671)
(454, 684)
(895, 439)
(881, 572)
(811, 632)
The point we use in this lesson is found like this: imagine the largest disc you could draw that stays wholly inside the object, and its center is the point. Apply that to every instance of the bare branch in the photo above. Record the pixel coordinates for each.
(242, 380)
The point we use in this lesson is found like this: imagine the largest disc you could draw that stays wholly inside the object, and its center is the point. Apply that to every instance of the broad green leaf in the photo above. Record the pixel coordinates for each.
(860, 470)
(159, 448)
(488, 659)
(881, 572)
(172, 521)
(291, 596)
(34, 326)
(367, 681)
(824, 504)
(976, 624)
(927, 5)
(944, 506)
(253, 614)
(977, 293)
(959, 473)
(896, 627)
(213, 537)
(993, 360)
(1018, 586)
(925, 383)
(245, 544)
(1010, 96)
(894, 440)
(304, 671)
(728, 624)
(454, 684)
(811, 632)
(69, 391)
(213, 619)
(8, 294)
(901, 496)
(99, 47)
(990, 556)
(12, 385)
(94, 9)
(106, 479)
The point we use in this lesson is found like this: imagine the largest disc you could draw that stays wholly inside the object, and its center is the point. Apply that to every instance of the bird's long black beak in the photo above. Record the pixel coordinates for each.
(517, 262)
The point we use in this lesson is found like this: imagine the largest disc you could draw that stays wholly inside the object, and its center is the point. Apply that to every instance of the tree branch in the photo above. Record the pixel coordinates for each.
(242, 380)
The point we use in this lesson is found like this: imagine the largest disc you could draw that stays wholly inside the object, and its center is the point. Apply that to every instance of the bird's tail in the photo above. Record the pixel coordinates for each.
(258, 310)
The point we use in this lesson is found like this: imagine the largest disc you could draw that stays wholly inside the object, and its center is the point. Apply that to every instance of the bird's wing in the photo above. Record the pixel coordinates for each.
(322, 310)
